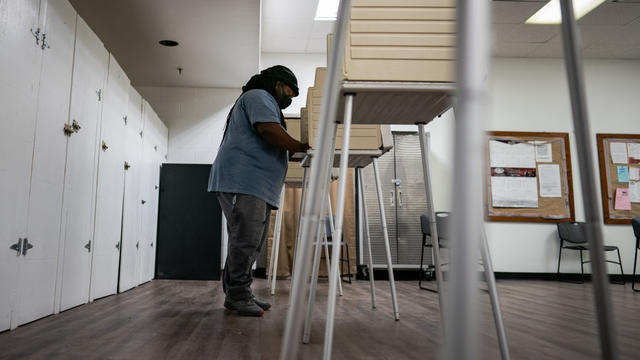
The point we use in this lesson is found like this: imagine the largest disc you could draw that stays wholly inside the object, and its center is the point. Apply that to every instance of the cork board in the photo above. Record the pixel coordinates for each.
(548, 172)
(611, 179)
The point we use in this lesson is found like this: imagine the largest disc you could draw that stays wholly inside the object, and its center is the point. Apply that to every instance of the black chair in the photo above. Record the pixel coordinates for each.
(574, 234)
(343, 245)
(442, 223)
(635, 223)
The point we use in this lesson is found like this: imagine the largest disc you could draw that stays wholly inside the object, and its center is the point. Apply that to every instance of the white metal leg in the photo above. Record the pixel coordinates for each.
(302, 202)
(319, 173)
(335, 256)
(472, 71)
(333, 230)
(372, 285)
(385, 232)
(593, 233)
(321, 233)
(277, 231)
(435, 250)
(493, 295)
(314, 283)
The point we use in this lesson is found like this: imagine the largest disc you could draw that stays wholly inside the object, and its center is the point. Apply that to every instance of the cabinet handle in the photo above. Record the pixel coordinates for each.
(399, 198)
(26, 246)
(17, 247)
(88, 246)
(393, 197)
(67, 129)
(75, 126)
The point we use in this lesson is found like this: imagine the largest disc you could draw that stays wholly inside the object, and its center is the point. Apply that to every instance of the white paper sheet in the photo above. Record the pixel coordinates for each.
(543, 151)
(634, 191)
(514, 192)
(634, 150)
(549, 177)
(520, 155)
(619, 153)
(634, 173)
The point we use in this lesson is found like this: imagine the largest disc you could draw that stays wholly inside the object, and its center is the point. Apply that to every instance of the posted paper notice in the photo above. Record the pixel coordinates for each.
(634, 173)
(549, 178)
(619, 153)
(514, 192)
(623, 174)
(634, 191)
(506, 155)
(634, 153)
(623, 201)
(543, 153)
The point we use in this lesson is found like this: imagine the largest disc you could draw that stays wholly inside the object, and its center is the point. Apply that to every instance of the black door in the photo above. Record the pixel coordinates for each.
(189, 225)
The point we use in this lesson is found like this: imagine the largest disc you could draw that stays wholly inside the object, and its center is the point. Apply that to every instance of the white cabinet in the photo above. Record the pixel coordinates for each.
(110, 190)
(89, 74)
(131, 247)
(38, 267)
(19, 75)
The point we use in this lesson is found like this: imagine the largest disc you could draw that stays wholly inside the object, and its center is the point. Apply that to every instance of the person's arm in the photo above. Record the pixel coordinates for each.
(276, 136)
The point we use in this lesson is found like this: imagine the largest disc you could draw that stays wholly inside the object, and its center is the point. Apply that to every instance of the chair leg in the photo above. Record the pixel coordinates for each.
(621, 271)
(420, 275)
(559, 257)
(348, 264)
(635, 260)
(581, 268)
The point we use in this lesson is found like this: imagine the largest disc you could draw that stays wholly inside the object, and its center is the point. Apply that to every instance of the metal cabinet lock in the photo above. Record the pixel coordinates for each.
(104, 146)
(75, 126)
(17, 247)
(127, 166)
(26, 246)
(67, 129)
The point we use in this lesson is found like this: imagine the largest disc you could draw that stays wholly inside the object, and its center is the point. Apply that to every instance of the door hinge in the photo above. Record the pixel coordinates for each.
(17, 247)
(118, 246)
(156, 187)
(104, 146)
(99, 93)
(143, 202)
(26, 246)
(137, 244)
(127, 165)
(151, 244)
(45, 44)
(155, 147)
(36, 34)
(125, 119)
(141, 134)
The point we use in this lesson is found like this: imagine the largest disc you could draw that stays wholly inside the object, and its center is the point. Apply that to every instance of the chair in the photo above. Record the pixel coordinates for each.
(442, 223)
(635, 224)
(343, 245)
(573, 233)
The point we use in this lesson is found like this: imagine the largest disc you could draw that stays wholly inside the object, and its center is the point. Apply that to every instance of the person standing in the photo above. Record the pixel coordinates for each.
(247, 177)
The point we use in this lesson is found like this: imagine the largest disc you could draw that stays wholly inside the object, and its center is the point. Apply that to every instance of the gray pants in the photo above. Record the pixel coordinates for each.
(247, 225)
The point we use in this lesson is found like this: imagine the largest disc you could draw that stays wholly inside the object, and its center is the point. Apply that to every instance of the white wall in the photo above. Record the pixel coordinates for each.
(195, 118)
(532, 95)
(303, 66)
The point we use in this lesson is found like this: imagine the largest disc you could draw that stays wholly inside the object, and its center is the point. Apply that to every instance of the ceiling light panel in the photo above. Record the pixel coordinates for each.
(551, 14)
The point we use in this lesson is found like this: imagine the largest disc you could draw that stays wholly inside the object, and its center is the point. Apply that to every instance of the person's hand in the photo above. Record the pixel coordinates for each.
(303, 147)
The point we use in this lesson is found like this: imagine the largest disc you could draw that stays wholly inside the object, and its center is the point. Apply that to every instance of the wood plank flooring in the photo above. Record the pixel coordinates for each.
(167, 319)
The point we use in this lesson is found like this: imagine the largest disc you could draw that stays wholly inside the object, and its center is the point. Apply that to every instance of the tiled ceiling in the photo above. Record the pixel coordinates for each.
(610, 31)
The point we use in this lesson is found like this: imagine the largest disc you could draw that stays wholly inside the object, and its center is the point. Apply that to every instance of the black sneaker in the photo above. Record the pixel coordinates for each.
(263, 304)
(244, 307)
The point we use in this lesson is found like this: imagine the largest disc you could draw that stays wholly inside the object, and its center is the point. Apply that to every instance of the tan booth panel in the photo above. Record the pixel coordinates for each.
(295, 171)
(401, 40)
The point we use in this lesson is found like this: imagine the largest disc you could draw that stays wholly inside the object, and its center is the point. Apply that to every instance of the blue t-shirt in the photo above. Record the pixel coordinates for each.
(246, 163)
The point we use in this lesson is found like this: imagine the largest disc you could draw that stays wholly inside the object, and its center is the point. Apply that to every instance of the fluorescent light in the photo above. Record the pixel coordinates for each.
(327, 10)
(550, 13)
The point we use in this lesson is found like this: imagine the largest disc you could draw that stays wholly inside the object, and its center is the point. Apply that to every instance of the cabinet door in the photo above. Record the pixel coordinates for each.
(130, 255)
(110, 191)
(89, 71)
(387, 175)
(38, 268)
(146, 220)
(19, 73)
(410, 198)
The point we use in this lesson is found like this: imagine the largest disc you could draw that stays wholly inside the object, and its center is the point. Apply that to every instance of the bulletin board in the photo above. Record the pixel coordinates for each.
(528, 177)
(619, 156)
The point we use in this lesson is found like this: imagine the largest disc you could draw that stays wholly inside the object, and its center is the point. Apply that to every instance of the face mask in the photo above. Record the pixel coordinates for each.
(282, 99)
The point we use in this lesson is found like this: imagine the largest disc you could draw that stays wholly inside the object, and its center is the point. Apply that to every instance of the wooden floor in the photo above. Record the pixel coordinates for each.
(186, 320)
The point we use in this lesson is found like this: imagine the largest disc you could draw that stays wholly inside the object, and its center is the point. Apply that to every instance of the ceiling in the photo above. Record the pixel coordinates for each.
(610, 31)
(219, 39)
